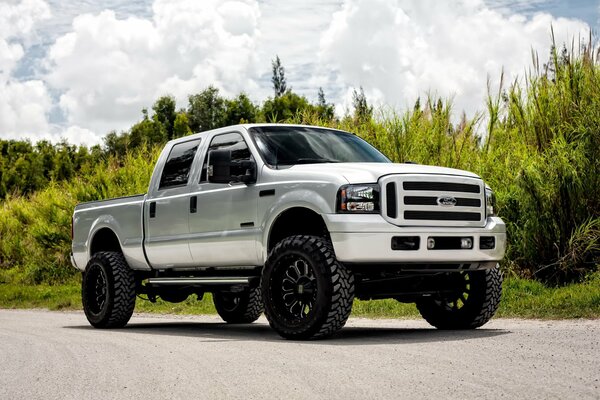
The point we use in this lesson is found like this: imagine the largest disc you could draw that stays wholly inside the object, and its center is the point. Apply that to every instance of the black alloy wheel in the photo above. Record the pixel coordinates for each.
(307, 293)
(473, 303)
(295, 287)
(239, 307)
(108, 290)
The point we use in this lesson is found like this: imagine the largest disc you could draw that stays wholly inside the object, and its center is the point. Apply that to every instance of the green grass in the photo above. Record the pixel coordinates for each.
(530, 299)
(521, 299)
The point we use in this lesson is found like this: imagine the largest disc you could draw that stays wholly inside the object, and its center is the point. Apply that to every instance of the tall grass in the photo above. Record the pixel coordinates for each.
(537, 145)
(35, 236)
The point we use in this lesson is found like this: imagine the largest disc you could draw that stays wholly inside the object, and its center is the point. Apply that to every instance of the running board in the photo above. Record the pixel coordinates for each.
(201, 281)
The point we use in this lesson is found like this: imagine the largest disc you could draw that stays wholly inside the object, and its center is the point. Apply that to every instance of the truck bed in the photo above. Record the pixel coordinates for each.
(123, 215)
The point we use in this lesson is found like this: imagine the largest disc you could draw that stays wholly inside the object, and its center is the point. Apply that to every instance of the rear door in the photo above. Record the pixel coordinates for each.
(223, 229)
(167, 210)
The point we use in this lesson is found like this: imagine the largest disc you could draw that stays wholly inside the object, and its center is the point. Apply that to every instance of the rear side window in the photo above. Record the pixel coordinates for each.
(239, 151)
(177, 168)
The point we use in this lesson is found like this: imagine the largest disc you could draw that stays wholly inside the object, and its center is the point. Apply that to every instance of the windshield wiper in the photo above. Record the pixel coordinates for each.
(315, 161)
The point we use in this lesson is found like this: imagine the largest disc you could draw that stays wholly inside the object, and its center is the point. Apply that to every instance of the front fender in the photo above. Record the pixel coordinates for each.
(298, 198)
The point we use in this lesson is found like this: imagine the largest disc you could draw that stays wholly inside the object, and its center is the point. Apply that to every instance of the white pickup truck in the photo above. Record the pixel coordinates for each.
(295, 221)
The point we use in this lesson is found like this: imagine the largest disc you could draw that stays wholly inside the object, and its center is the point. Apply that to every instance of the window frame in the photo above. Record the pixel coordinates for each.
(204, 164)
(161, 187)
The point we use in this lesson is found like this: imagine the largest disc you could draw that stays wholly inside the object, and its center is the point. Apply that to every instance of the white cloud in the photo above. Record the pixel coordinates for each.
(103, 67)
(399, 50)
(108, 68)
(80, 136)
(23, 109)
(24, 105)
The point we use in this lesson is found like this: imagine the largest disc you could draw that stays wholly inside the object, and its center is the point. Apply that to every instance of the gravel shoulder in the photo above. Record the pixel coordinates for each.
(57, 355)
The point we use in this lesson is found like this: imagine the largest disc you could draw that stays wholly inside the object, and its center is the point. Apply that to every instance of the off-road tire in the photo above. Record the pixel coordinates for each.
(332, 298)
(248, 306)
(478, 309)
(119, 290)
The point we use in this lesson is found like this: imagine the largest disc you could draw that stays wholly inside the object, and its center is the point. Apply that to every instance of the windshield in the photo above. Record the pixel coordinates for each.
(289, 145)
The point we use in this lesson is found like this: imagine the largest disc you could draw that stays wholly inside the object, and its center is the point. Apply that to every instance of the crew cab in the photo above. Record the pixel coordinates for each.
(296, 222)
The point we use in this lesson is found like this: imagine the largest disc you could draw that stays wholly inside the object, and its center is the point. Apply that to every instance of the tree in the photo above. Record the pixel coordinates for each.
(116, 144)
(240, 110)
(285, 107)
(362, 110)
(206, 110)
(164, 113)
(278, 79)
(181, 125)
(325, 111)
(146, 132)
(63, 162)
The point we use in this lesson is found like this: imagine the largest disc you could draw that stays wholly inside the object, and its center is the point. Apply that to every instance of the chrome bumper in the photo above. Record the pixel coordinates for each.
(367, 239)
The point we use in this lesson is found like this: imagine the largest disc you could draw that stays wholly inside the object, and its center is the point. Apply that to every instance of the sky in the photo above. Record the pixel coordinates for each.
(78, 69)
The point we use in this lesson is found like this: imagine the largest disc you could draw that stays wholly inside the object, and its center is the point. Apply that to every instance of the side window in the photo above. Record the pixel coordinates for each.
(177, 168)
(239, 151)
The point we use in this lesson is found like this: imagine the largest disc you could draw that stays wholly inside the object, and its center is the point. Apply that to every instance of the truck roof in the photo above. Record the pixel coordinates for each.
(245, 126)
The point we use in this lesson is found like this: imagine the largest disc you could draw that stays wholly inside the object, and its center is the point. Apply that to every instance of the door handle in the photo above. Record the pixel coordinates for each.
(193, 204)
(152, 210)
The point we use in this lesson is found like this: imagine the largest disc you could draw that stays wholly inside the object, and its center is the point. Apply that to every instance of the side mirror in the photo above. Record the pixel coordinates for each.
(220, 168)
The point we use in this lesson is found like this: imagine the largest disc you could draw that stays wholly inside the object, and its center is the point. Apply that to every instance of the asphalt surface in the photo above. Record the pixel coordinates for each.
(55, 355)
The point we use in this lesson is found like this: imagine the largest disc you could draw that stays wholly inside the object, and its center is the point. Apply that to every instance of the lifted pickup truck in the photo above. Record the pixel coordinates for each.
(295, 221)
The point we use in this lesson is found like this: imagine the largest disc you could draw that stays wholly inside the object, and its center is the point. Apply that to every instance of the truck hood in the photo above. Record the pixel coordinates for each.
(371, 172)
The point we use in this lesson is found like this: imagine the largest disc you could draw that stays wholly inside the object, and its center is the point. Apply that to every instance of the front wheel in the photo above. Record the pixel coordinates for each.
(108, 290)
(239, 308)
(308, 294)
(471, 305)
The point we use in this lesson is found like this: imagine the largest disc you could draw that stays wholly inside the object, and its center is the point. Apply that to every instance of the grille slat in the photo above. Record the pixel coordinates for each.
(391, 201)
(432, 201)
(441, 216)
(442, 187)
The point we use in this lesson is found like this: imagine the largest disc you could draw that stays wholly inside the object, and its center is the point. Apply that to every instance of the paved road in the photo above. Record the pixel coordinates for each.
(54, 355)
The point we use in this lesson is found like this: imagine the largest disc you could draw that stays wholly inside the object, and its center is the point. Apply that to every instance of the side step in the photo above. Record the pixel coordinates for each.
(201, 281)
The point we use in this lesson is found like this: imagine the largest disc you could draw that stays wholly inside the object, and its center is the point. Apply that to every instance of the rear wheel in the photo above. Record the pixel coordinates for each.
(308, 294)
(471, 305)
(239, 308)
(108, 290)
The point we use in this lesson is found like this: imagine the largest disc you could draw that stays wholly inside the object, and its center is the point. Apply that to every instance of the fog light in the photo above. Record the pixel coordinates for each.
(487, 242)
(466, 243)
(430, 243)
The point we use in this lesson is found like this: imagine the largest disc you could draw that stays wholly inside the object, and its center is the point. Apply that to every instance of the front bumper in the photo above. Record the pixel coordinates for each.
(367, 238)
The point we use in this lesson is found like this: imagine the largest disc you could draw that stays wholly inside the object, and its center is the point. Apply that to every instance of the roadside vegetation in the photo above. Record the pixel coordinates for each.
(537, 145)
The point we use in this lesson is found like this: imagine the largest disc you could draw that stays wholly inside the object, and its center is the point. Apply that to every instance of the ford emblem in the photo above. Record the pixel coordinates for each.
(446, 201)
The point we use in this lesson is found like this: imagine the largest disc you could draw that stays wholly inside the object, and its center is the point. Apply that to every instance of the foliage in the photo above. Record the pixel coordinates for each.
(241, 110)
(286, 107)
(26, 167)
(362, 110)
(325, 111)
(278, 78)
(35, 237)
(206, 110)
(181, 125)
(164, 113)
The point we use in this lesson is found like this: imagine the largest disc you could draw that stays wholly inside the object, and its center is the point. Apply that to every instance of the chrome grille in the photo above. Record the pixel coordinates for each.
(433, 200)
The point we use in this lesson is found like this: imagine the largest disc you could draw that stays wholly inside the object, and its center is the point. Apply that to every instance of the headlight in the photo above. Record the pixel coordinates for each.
(490, 203)
(358, 199)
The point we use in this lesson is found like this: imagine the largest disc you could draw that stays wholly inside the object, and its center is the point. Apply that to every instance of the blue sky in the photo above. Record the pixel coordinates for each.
(79, 69)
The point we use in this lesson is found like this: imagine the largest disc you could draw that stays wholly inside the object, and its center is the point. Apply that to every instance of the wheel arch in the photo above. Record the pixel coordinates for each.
(104, 239)
(295, 220)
